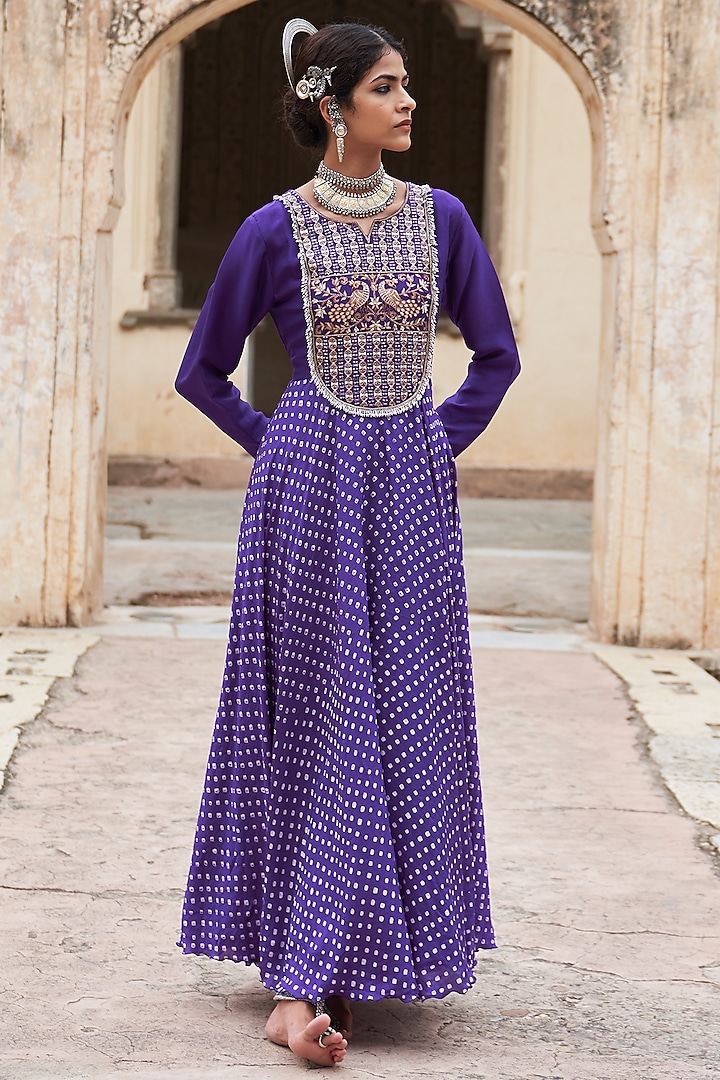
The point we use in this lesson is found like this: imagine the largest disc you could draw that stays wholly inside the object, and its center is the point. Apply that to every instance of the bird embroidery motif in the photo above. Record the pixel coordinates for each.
(407, 306)
(339, 308)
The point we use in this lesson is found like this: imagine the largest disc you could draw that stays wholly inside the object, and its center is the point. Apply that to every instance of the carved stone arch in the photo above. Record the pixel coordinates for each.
(569, 43)
(572, 53)
(537, 19)
(191, 15)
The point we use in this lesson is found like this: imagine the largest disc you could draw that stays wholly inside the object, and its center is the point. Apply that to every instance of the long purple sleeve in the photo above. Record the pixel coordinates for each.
(473, 299)
(240, 296)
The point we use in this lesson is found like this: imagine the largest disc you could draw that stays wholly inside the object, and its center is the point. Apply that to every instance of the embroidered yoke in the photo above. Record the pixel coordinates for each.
(370, 304)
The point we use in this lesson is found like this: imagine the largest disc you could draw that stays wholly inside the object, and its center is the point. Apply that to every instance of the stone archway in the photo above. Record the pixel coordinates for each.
(646, 71)
(579, 76)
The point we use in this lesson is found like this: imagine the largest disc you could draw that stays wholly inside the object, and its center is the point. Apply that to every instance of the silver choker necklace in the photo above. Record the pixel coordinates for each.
(353, 196)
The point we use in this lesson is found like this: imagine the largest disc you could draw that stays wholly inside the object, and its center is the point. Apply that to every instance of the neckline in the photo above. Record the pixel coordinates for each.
(356, 224)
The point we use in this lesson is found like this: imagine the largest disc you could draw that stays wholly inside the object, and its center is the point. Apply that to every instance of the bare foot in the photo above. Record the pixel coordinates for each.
(294, 1024)
(339, 1009)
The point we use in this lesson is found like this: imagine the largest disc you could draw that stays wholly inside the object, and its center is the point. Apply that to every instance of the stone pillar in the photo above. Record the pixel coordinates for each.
(657, 544)
(494, 43)
(41, 196)
(497, 40)
(163, 283)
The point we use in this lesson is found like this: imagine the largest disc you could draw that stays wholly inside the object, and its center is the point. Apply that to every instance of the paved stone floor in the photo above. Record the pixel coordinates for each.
(522, 556)
(607, 911)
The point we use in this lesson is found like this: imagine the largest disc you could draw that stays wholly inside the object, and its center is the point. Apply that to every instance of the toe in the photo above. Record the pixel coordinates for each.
(305, 1044)
(318, 1025)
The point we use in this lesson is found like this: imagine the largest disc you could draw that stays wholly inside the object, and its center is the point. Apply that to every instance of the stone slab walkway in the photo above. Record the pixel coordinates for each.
(522, 556)
(608, 912)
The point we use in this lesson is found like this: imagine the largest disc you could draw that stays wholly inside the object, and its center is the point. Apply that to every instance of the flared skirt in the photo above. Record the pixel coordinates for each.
(340, 842)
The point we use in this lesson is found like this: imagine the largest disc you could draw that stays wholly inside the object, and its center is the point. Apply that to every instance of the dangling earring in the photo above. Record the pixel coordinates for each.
(338, 125)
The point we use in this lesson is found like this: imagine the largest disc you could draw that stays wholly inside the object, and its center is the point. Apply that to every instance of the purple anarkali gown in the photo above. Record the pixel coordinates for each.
(340, 842)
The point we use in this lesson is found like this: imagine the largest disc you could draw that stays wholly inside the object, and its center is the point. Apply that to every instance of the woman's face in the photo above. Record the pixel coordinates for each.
(380, 116)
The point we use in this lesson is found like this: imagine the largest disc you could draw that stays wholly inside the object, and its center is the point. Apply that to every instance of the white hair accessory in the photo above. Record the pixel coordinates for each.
(315, 82)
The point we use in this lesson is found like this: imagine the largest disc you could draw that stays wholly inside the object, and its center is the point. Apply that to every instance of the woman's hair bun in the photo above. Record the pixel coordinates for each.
(352, 49)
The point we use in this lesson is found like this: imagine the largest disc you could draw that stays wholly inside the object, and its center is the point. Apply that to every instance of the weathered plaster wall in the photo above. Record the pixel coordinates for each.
(552, 274)
(25, 435)
(145, 414)
(648, 72)
(654, 541)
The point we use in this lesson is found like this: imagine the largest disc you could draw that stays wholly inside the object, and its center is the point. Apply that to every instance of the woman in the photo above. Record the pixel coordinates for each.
(340, 841)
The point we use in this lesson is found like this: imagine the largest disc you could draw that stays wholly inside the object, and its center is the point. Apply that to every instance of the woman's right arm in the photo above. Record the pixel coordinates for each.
(240, 296)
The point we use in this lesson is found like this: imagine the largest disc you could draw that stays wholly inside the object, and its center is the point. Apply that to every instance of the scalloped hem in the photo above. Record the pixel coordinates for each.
(360, 993)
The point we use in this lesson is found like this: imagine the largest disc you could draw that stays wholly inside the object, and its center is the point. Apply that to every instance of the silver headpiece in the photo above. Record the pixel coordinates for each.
(315, 82)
